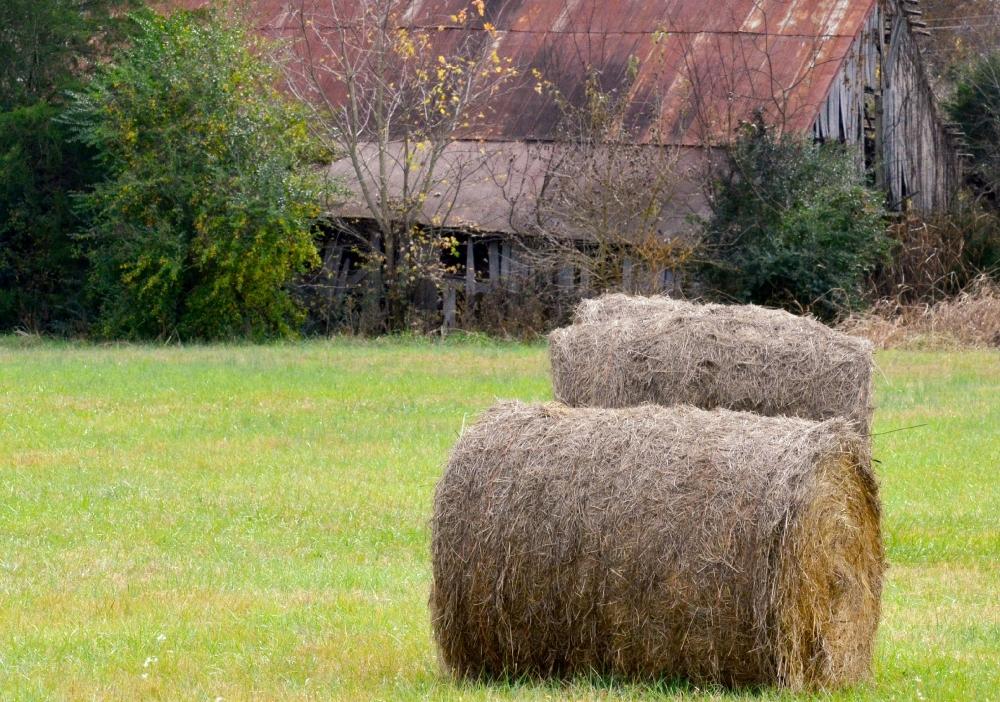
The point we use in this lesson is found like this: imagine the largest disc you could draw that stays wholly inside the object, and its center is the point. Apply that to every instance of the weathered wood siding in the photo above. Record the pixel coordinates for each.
(882, 103)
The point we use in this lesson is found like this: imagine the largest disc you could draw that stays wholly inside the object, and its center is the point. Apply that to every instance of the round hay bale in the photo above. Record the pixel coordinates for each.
(738, 357)
(654, 542)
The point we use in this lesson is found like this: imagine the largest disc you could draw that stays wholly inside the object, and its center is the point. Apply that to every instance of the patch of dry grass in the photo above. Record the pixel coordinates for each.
(970, 320)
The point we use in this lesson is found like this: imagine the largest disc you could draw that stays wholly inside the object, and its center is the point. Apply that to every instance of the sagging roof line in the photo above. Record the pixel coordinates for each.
(570, 32)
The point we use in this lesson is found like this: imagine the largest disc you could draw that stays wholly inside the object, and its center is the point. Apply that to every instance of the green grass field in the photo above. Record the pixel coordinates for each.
(251, 523)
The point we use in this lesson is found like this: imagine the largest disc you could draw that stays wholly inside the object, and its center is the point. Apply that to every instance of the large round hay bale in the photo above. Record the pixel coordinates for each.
(654, 542)
(738, 357)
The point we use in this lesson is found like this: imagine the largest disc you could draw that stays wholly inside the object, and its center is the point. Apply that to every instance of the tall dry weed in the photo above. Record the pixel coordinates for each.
(971, 319)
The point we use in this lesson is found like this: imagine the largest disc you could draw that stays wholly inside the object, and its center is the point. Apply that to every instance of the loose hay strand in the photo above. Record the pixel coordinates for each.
(624, 350)
(647, 542)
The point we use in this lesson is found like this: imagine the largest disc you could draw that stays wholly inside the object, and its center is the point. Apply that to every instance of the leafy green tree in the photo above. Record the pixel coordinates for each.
(46, 47)
(792, 224)
(975, 106)
(207, 211)
(42, 274)
(46, 44)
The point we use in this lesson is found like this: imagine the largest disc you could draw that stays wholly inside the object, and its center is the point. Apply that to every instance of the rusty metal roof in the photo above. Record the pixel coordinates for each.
(704, 65)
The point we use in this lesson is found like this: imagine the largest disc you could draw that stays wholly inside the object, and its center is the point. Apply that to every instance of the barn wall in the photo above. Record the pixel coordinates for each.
(882, 103)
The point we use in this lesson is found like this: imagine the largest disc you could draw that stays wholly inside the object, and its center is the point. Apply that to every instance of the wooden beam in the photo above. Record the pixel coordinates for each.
(494, 262)
(565, 278)
(470, 270)
(627, 274)
(449, 305)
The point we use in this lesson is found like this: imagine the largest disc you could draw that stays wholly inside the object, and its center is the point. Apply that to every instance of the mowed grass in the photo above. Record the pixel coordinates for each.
(251, 522)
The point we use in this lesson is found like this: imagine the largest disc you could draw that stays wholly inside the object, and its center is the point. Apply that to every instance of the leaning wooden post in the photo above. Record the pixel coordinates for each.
(584, 279)
(470, 279)
(494, 264)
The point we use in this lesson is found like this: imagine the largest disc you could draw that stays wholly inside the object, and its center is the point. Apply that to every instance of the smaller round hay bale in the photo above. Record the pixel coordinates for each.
(738, 357)
(655, 542)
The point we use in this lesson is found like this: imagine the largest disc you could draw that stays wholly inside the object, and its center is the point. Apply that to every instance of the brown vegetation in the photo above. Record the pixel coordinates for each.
(970, 320)
(653, 542)
(935, 256)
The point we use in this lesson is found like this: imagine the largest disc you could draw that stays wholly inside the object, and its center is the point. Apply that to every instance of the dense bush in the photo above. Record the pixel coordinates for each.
(207, 208)
(46, 46)
(42, 274)
(792, 224)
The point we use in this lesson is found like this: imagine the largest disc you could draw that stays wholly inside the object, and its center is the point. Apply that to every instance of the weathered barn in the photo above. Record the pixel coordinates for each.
(845, 70)
(881, 101)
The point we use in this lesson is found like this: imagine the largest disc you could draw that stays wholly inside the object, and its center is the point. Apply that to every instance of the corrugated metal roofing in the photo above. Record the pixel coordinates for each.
(703, 66)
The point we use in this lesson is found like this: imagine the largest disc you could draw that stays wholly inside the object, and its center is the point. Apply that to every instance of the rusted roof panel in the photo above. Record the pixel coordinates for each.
(703, 66)
(784, 17)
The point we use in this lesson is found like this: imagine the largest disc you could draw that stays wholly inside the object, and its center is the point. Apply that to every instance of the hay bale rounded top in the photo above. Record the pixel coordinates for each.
(611, 306)
(624, 351)
(654, 542)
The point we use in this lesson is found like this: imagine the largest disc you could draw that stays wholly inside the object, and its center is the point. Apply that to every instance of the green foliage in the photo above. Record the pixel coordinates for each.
(207, 210)
(792, 225)
(975, 106)
(46, 46)
(41, 274)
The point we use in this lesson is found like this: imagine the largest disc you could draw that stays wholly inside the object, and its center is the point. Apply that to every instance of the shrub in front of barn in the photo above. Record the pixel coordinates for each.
(792, 225)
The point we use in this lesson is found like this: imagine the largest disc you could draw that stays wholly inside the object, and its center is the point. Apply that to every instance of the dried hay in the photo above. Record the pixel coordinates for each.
(612, 306)
(626, 351)
(655, 542)
(969, 320)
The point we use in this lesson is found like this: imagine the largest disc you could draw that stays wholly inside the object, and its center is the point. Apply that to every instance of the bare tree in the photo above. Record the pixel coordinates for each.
(622, 180)
(390, 94)
(958, 31)
(609, 203)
